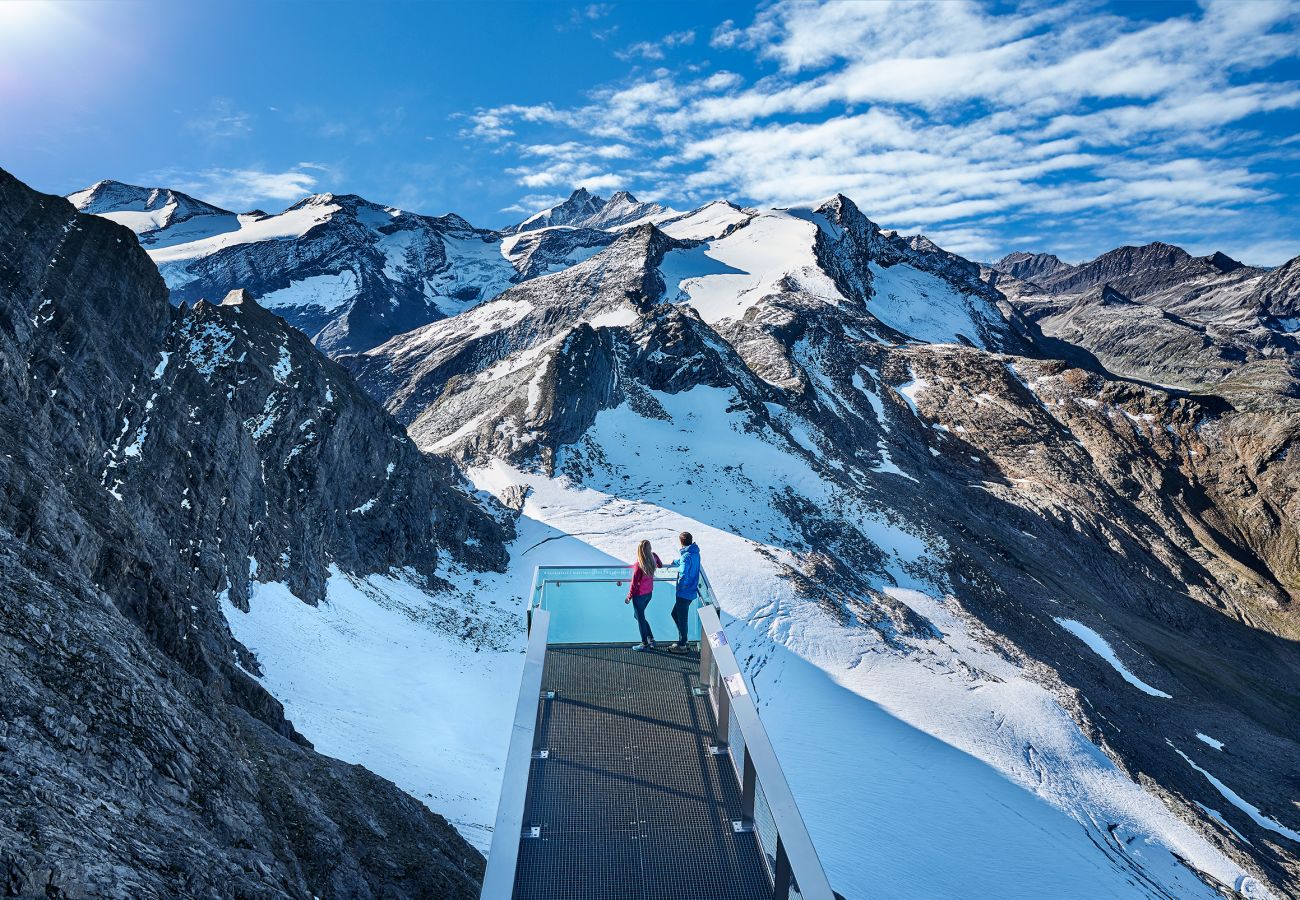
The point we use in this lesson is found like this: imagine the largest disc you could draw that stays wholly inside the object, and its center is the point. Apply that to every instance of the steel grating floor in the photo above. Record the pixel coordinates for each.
(629, 800)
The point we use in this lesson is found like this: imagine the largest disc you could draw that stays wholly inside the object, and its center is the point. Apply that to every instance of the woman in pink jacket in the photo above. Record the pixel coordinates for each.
(642, 587)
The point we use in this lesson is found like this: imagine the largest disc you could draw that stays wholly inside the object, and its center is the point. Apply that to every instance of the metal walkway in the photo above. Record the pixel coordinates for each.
(630, 801)
(640, 775)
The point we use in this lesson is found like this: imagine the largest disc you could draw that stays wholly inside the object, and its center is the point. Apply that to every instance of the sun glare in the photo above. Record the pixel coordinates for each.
(24, 22)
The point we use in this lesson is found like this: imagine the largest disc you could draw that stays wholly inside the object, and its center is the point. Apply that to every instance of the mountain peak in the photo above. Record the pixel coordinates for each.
(108, 196)
(237, 297)
(1223, 262)
(1030, 266)
(584, 209)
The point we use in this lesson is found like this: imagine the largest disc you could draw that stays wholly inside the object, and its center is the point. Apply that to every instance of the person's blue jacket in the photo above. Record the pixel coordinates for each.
(688, 579)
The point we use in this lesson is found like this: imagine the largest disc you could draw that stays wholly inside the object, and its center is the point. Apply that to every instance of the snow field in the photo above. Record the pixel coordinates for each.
(895, 756)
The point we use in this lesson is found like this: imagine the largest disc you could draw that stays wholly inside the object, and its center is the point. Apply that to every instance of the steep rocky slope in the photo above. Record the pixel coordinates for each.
(892, 477)
(155, 460)
(1153, 313)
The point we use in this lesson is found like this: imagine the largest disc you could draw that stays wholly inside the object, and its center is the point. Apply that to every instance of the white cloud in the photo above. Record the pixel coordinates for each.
(242, 189)
(726, 35)
(533, 203)
(221, 120)
(656, 49)
(948, 116)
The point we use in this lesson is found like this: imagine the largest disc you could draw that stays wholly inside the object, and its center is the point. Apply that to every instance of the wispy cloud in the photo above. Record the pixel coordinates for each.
(244, 188)
(976, 122)
(221, 121)
(653, 50)
(589, 17)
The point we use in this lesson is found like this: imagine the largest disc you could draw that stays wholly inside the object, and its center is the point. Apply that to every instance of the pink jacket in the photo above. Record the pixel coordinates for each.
(641, 583)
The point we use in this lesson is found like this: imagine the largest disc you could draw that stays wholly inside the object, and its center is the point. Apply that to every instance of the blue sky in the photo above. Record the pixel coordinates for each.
(1068, 127)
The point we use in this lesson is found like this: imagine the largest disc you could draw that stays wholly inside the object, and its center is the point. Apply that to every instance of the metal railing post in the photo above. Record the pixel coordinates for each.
(723, 708)
(781, 874)
(706, 661)
(748, 781)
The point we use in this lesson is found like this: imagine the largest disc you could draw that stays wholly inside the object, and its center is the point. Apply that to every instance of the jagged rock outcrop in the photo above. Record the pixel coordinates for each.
(151, 459)
(584, 209)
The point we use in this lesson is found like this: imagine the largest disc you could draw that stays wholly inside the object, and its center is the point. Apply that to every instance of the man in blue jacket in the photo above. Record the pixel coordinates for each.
(688, 586)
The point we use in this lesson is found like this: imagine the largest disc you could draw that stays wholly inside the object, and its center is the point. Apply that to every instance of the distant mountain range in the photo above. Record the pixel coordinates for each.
(348, 272)
(1156, 313)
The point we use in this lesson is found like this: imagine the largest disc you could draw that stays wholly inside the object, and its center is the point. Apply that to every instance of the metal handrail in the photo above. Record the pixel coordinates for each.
(503, 857)
(795, 857)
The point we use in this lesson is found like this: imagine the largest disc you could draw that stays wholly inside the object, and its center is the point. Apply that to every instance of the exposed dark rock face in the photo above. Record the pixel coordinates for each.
(150, 457)
(549, 250)
(1188, 322)
(1278, 294)
(1138, 271)
(1030, 266)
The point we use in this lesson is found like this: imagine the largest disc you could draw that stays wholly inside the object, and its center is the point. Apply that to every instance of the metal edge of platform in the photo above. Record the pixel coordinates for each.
(793, 834)
(503, 856)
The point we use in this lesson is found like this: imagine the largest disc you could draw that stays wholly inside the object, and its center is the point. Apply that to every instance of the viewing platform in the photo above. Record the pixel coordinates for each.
(644, 775)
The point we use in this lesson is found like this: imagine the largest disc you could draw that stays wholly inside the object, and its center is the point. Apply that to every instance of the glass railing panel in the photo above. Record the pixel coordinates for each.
(765, 826)
(706, 593)
(735, 740)
(587, 605)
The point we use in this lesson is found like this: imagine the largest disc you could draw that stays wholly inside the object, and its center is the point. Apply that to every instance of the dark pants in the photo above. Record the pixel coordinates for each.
(638, 606)
(682, 615)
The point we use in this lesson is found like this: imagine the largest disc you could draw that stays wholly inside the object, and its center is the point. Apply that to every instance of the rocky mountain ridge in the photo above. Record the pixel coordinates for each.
(155, 461)
(584, 209)
(1174, 319)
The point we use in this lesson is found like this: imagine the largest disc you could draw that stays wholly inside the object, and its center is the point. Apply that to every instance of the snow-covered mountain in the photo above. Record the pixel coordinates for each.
(159, 217)
(1018, 625)
(584, 209)
(348, 272)
(928, 535)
